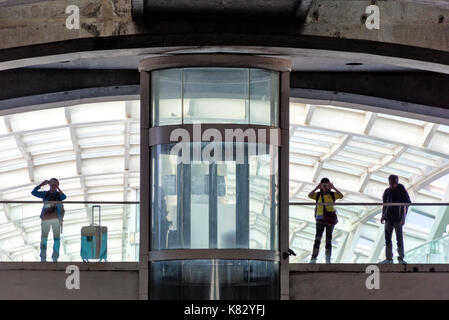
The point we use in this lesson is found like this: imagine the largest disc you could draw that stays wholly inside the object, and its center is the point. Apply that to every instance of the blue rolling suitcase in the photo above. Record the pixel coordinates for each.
(94, 239)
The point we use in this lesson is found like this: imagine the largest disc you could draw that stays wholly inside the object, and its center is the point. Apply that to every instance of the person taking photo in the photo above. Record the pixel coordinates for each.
(52, 215)
(325, 216)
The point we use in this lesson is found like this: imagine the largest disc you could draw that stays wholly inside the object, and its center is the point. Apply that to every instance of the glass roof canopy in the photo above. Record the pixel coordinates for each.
(94, 151)
(358, 150)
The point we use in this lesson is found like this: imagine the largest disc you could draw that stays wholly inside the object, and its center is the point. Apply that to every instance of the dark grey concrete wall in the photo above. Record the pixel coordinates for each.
(426, 88)
(347, 282)
(421, 95)
(47, 281)
(100, 281)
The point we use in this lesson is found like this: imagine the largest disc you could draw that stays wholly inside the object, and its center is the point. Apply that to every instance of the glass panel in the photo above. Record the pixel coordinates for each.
(204, 204)
(199, 210)
(436, 251)
(263, 200)
(216, 95)
(226, 205)
(41, 119)
(99, 111)
(165, 197)
(214, 279)
(264, 99)
(166, 93)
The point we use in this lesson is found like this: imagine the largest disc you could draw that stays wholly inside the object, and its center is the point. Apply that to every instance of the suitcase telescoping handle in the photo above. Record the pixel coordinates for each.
(99, 214)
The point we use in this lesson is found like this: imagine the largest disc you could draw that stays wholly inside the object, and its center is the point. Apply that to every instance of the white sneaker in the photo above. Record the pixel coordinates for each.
(402, 261)
(328, 260)
(313, 260)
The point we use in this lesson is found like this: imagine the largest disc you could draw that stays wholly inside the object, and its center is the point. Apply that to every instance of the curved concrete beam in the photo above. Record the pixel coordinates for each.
(411, 33)
(305, 46)
(405, 22)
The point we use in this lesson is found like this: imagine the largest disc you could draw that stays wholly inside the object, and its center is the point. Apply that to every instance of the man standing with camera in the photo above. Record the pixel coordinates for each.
(52, 215)
(325, 216)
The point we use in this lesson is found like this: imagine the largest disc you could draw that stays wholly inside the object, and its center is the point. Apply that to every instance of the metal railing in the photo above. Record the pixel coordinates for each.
(387, 204)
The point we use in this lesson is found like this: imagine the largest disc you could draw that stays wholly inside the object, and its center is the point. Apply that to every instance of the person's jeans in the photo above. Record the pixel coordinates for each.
(389, 226)
(320, 227)
(45, 227)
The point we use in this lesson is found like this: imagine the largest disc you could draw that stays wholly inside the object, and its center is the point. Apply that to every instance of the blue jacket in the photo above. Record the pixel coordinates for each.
(45, 196)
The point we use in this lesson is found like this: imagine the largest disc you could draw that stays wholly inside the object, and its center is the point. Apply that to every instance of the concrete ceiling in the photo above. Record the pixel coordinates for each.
(299, 63)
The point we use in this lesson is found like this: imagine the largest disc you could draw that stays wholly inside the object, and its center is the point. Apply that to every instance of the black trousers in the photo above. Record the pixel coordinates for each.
(397, 227)
(320, 227)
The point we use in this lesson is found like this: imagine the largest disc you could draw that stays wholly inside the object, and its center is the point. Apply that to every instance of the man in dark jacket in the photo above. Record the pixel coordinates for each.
(394, 218)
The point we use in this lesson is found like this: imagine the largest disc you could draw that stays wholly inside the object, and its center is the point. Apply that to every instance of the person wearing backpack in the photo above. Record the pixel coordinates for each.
(325, 216)
(52, 216)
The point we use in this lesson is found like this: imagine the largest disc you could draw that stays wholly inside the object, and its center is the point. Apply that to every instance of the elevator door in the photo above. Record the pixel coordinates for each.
(216, 220)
